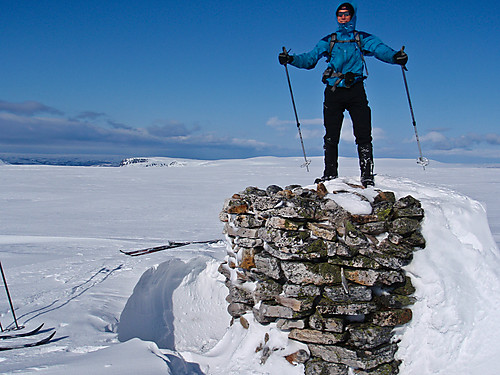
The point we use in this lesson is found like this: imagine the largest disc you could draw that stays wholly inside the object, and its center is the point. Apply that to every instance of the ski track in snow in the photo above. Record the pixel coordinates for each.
(61, 230)
(75, 292)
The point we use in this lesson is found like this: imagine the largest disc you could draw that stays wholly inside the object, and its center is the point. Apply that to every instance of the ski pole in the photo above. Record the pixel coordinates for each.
(421, 160)
(8, 296)
(306, 162)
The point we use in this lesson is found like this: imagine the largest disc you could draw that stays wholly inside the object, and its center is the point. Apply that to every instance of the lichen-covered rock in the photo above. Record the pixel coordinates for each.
(320, 367)
(416, 239)
(405, 289)
(329, 324)
(295, 242)
(247, 258)
(383, 210)
(314, 336)
(389, 255)
(297, 207)
(408, 203)
(384, 196)
(323, 231)
(363, 359)
(311, 273)
(288, 324)
(355, 293)
(261, 204)
(235, 205)
(248, 242)
(268, 265)
(358, 261)
(300, 356)
(309, 250)
(252, 190)
(236, 309)
(247, 221)
(267, 289)
(271, 310)
(374, 277)
(239, 294)
(391, 368)
(389, 248)
(331, 211)
(298, 304)
(233, 231)
(404, 226)
(369, 336)
(328, 307)
(374, 228)
(294, 290)
(391, 318)
(273, 189)
(395, 301)
(284, 224)
(354, 238)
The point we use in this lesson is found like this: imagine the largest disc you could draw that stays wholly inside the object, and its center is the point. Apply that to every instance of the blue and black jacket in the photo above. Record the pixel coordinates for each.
(345, 57)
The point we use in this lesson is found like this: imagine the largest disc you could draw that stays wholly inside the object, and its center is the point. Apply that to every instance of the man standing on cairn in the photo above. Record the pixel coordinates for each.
(345, 50)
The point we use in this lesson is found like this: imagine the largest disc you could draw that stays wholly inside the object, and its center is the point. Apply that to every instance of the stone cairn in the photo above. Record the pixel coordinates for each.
(332, 279)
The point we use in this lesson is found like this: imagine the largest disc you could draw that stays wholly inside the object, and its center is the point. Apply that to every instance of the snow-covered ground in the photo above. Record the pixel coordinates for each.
(61, 229)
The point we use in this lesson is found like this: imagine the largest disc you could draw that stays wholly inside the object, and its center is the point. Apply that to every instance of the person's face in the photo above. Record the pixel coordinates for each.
(344, 16)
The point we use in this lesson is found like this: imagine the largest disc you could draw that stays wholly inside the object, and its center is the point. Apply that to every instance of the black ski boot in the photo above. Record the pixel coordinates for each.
(365, 153)
(324, 178)
(331, 161)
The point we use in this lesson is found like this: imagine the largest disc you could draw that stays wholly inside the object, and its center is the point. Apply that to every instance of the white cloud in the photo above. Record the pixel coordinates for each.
(310, 129)
(278, 124)
(95, 131)
(27, 108)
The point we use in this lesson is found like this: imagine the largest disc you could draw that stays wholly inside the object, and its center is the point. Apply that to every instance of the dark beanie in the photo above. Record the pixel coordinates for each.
(346, 6)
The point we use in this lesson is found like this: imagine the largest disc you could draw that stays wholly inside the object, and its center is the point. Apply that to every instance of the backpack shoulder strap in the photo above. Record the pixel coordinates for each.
(357, 39)
(333, 40)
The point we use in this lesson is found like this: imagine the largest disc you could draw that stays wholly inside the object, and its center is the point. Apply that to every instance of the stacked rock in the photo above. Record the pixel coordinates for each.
(332, 279)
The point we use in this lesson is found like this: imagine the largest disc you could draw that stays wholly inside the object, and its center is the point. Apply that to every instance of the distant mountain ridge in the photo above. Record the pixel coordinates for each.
(97, 161)
(63, 160)
(152, 162)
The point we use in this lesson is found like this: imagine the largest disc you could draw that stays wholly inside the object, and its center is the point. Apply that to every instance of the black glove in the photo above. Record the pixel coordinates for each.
(400, 58)
(284, 58)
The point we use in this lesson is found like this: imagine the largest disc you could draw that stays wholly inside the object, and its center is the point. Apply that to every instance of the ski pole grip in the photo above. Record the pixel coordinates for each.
(404, 66)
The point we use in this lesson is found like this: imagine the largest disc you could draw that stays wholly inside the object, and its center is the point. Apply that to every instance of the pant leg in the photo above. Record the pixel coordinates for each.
(361, 122)
(333, 116)
(360, 114)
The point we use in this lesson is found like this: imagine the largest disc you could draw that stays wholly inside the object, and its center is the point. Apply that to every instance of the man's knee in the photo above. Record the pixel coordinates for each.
(330, 142)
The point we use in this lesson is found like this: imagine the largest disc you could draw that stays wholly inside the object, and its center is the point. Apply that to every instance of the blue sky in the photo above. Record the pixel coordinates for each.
(200, 79)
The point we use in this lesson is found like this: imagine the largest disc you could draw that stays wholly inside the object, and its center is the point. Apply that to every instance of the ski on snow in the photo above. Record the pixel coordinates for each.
(170, 245)
(29, 344)
(21, 334)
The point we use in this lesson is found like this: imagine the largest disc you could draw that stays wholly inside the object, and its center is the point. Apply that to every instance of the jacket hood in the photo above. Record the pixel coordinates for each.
(350, 26)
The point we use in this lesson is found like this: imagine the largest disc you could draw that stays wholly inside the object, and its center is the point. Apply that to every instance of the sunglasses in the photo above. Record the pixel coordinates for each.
(343, 14)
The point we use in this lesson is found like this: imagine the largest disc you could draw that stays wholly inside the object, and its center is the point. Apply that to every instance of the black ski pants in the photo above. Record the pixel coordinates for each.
(354, 100)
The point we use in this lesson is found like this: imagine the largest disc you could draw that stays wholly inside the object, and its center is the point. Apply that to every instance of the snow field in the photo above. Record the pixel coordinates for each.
(61, 229)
